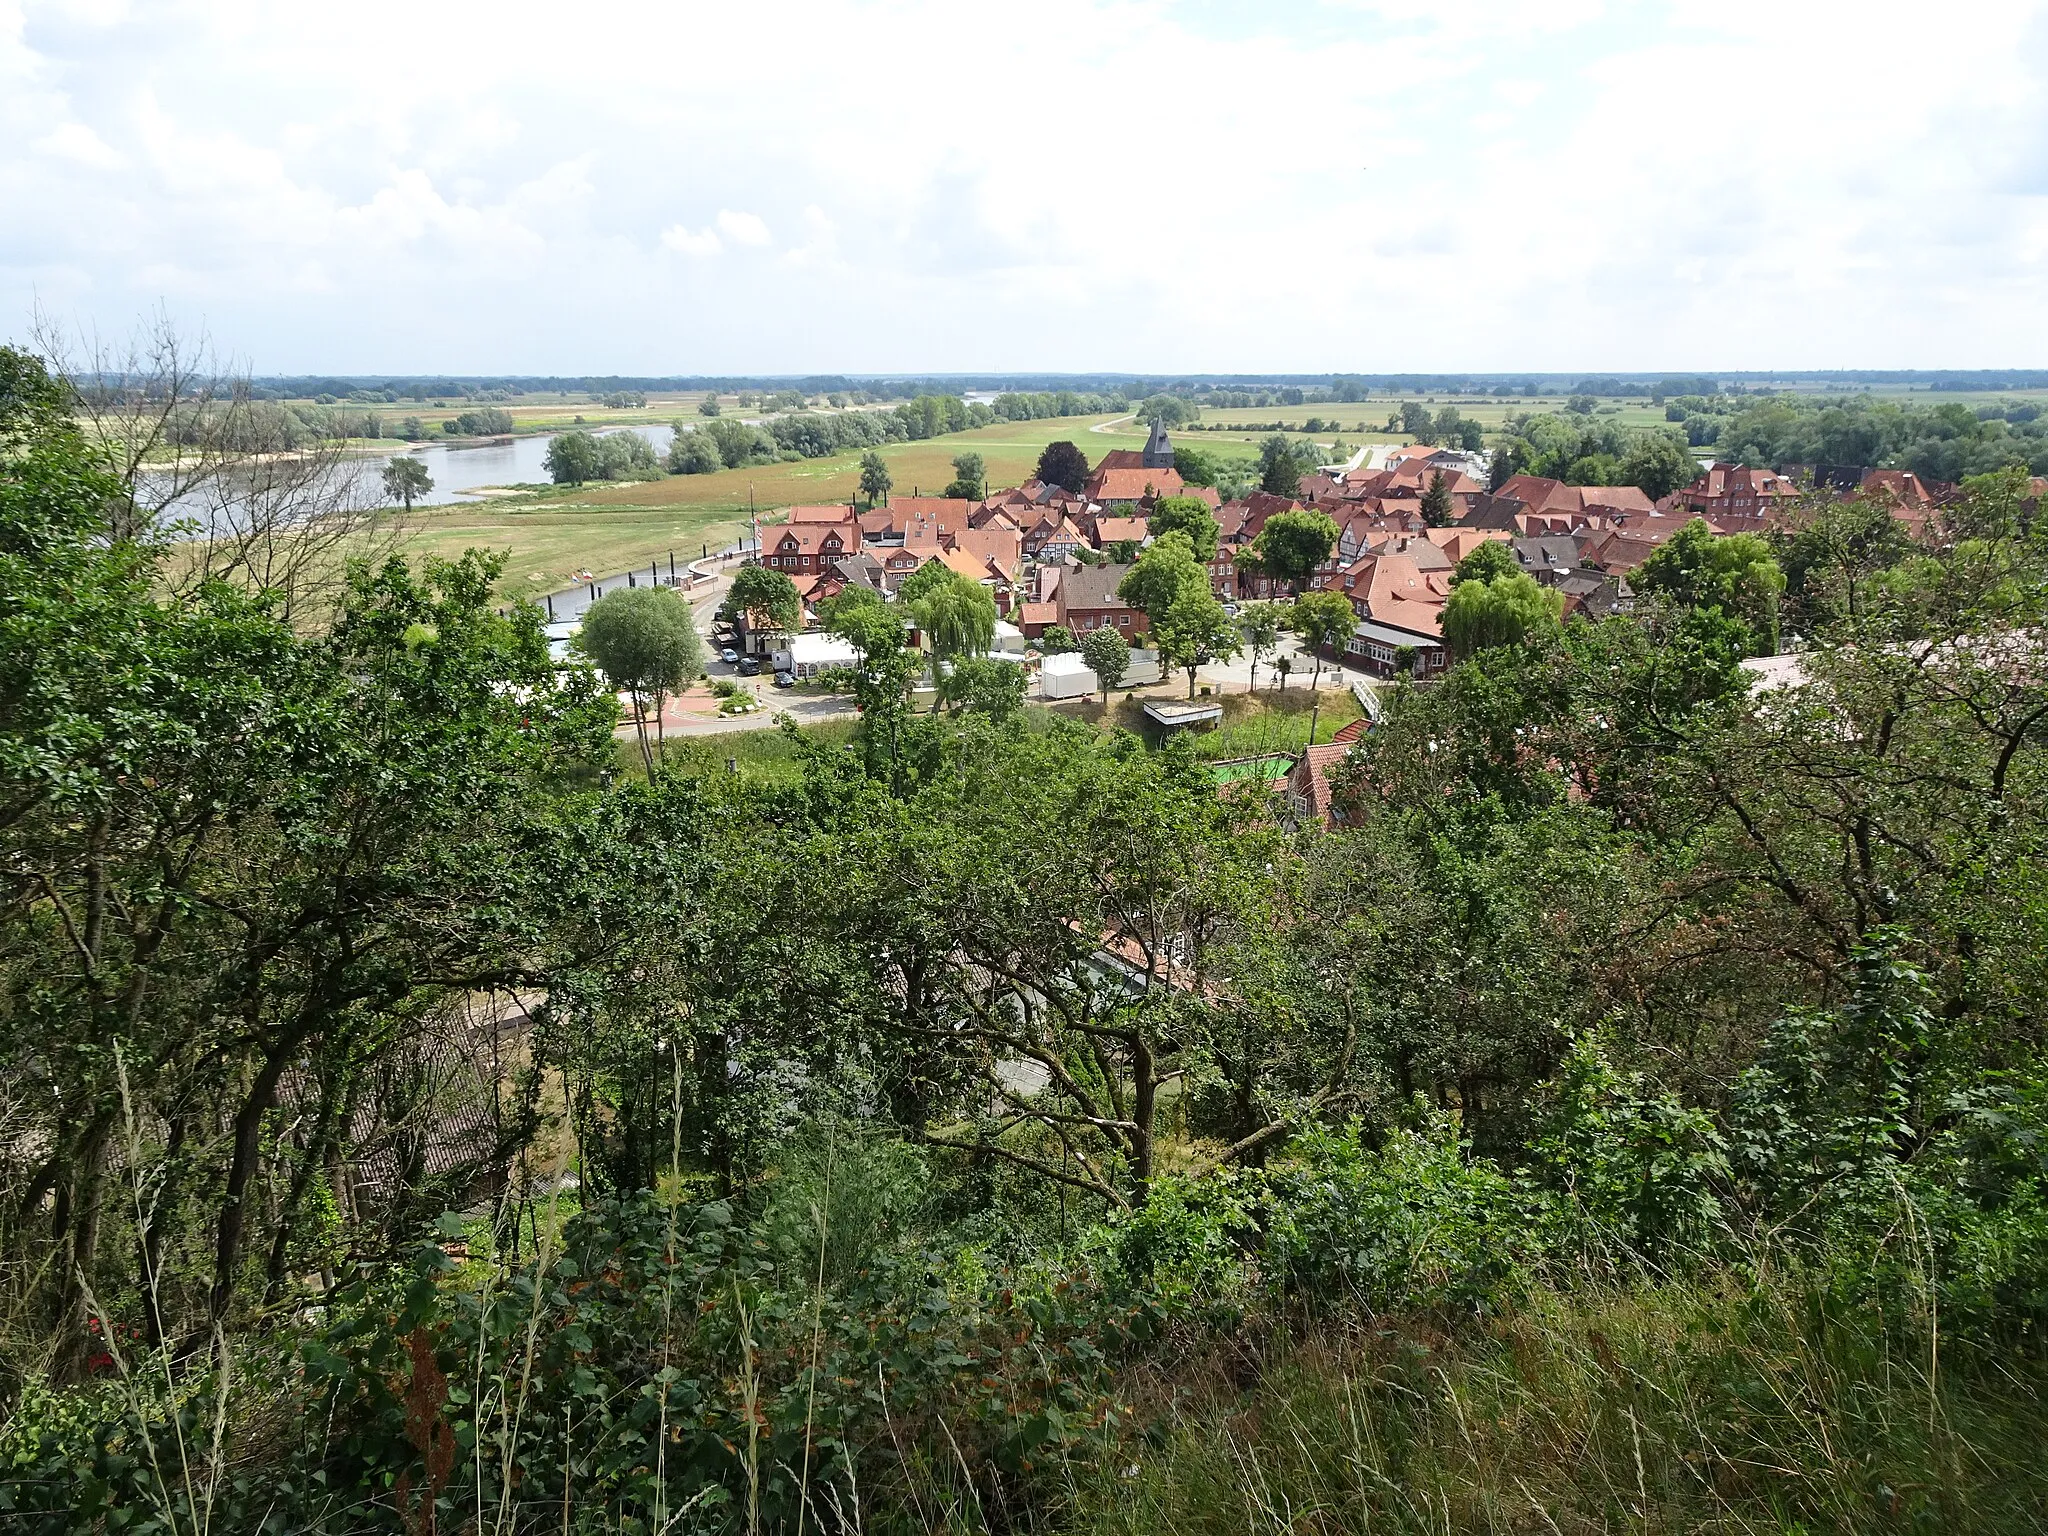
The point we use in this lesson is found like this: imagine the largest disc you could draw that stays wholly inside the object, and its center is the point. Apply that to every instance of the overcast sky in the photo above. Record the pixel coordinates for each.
(1135, 185)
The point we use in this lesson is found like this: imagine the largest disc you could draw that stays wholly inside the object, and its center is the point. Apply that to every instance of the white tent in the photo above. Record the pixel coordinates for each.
(1067, 676)
(808, 655)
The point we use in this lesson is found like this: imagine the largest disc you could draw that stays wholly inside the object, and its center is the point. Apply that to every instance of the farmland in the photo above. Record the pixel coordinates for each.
(548, 535)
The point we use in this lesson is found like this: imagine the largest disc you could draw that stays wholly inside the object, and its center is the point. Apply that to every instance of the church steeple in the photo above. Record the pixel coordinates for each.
(1158, 451)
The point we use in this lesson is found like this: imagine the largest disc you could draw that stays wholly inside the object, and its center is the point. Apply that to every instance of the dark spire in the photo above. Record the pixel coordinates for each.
(1158, 451)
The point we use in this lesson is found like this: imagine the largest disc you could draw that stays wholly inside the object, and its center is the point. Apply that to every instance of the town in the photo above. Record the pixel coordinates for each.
(1388, 531)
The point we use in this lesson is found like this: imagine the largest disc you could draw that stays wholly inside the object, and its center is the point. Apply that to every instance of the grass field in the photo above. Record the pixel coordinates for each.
(615, 527)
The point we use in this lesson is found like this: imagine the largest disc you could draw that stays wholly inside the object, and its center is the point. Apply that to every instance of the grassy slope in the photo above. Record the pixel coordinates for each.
(1674, 1409)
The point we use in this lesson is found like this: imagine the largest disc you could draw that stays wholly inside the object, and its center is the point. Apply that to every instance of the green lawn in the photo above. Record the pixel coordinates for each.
(764, 754)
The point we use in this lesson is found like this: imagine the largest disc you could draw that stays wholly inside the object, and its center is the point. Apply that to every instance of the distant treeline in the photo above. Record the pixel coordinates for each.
(721, 442)
(1942, 442)
(1262, 389)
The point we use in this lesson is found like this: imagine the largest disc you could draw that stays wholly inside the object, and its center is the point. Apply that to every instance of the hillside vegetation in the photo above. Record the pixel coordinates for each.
(1630, 1116)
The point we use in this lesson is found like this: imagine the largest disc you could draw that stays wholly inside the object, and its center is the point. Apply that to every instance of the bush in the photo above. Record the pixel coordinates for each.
(1414, 1225)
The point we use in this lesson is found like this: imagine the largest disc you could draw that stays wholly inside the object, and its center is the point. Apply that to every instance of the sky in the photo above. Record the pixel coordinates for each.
(1151, 186)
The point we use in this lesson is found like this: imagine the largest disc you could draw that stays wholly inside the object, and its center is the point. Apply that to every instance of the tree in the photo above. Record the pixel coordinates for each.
(758, 590)
(1510, 458)
(694, 453)
(644, 640)
(1835, 556)
(1592, 469)
(1147, 850)
(875, 480)
(708, 406)
(406, 477)
(987, 686)
(970, 477)
(1195, 466)
(1057, 640)
(1502, 610)
(1064, 465)
(1189, 515)
(1293, 544)
(1282, 464)
(573, 457)
(1658, 465)
(1493, 558)
(1436, 501)
(924, 581)
(1323, 619)
(1194, 631)
(1165, 570)
(1108, 656)
(860, 616)
(1262, 624)
(1737, 576)
(296, 848)
(626, 456)
(957, 616)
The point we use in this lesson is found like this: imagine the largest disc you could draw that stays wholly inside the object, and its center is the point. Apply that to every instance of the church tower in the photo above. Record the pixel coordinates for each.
(1158, 451)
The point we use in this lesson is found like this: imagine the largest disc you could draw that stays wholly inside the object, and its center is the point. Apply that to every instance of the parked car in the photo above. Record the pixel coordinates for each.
(729, 656)
(750, 666)
(785, 679)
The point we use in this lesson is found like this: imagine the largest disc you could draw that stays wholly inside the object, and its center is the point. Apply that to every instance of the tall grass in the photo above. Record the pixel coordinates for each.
(1680, 1408)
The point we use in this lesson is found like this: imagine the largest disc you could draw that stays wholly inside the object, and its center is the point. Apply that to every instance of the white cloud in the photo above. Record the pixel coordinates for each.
(1590, 184)
(743, 228)
(698, 243)
(78, 143)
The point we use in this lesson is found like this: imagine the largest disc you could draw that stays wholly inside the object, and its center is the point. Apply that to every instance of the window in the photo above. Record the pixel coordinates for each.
(1123, 620)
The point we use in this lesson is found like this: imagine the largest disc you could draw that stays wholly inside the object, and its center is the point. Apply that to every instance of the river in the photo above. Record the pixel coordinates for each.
(455, 467)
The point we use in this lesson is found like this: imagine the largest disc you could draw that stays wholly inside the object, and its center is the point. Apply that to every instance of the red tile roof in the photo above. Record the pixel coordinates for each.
(1310, 778)
(1110, 530)
(1133, 484)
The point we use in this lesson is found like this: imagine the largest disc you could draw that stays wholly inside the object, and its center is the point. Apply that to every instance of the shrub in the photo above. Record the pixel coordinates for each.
(1413, 1225)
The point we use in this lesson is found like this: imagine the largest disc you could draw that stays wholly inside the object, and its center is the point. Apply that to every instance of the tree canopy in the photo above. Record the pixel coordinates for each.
(1063, 464)
(406, 477)
(1164, 571)
(1737, 576)
(1505, 609)
(1436, 501)
(1282, 463)
(1324, 620)
(573, 457)
(1108, 656)
(644, 640)
(1190, 516)
(1193, 630)
(970, 477)
(958, 616)
(875, 480)
(758, 589)
(1294, 543)
(1492, 559)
